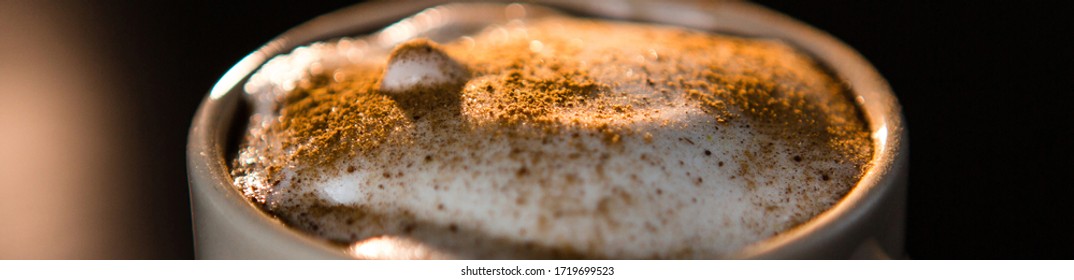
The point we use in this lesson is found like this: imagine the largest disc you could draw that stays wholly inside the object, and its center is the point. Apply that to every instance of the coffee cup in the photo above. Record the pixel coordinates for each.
(866, 223)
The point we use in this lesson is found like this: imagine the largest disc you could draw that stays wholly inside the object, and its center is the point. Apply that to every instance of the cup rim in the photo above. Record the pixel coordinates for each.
(209, 174)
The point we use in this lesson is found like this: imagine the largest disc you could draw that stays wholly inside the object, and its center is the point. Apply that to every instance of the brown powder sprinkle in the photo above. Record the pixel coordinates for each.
(770, 84)
(325, 121)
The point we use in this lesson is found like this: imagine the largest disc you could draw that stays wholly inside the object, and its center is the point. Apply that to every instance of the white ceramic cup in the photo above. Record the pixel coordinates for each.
(867, 223)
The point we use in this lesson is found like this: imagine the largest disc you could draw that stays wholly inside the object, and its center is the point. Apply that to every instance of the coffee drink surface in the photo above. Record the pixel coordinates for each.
(552, 137)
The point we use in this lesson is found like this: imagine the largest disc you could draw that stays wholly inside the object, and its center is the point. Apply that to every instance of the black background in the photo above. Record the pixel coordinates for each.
(984, 88)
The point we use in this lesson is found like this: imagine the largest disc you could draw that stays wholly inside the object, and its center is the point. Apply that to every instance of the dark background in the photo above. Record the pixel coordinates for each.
(983, 86)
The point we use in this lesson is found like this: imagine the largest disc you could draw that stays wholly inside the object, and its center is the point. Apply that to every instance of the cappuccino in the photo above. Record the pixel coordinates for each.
(551, 137)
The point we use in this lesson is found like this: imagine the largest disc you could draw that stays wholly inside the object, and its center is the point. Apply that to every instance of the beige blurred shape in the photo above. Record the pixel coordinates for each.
(61, 183)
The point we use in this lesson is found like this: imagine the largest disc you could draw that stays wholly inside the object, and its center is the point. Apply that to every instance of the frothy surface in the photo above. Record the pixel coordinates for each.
(553, 137)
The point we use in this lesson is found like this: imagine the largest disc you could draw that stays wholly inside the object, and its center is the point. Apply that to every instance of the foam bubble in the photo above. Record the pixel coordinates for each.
(420, 63)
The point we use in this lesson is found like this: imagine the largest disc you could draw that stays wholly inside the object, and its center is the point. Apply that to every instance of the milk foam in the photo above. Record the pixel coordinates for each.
(671, 182)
